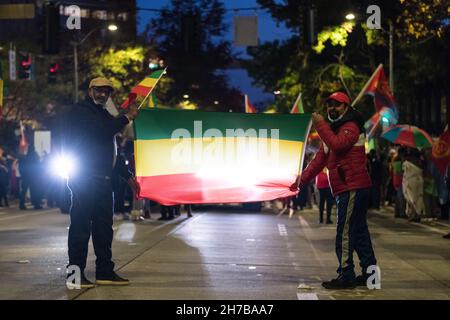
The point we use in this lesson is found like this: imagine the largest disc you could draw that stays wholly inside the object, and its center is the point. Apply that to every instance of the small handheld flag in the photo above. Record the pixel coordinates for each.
(298, 105)
(144, 88)
(249, 108)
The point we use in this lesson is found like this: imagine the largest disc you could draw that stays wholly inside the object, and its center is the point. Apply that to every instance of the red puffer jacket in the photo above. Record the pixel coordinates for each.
(343, 153)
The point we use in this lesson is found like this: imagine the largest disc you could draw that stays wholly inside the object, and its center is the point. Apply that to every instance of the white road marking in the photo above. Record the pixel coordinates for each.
(282, 230)
(307, 296)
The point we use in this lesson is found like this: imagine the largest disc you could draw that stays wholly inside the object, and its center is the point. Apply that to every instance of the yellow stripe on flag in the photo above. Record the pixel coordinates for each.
(180, 156)
(148, 82)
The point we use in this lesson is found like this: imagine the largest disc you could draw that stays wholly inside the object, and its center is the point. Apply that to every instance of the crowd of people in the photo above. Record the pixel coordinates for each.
(405, 179)
(31, 179)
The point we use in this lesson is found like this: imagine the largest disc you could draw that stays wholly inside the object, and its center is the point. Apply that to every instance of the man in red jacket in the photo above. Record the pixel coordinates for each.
(343, 152)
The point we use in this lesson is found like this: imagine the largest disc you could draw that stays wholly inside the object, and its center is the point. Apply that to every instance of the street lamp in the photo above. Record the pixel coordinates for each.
(111, 27)
(390, 32)
(350, 16)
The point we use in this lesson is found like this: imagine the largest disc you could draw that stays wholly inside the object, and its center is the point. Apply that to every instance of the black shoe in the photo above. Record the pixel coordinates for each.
(329, 222)
(23, 208)
(112, 280)
(361, 280)
(163, 218)
(320, 221)
(339, 283)
(447, 236)
(84, 283)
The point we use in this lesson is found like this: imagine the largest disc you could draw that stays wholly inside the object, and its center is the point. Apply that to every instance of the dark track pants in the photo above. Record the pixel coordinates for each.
(91, 213)
(352, 232)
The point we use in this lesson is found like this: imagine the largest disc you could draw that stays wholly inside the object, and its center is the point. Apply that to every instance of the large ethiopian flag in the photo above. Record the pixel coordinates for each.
(187, 156)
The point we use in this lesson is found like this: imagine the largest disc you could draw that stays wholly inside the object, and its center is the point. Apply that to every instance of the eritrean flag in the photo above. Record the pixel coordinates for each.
(190, 156)
(144, 87)
(249, 107)
(298, 105)
(378, 87)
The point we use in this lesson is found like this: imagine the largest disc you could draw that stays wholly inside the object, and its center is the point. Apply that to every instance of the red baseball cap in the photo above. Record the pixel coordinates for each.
(340, 97)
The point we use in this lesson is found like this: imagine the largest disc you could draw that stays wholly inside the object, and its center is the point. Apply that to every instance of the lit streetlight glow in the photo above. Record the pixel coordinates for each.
(350, 16)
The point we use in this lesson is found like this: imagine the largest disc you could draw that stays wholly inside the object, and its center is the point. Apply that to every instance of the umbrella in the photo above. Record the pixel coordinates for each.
(409, 136)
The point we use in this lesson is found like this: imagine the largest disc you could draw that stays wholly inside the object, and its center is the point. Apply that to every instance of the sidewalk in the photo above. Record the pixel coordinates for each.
(387, 212)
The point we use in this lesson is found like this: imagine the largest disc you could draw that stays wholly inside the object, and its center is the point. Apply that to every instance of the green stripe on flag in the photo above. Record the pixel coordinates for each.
(156, 74)
(148, 126)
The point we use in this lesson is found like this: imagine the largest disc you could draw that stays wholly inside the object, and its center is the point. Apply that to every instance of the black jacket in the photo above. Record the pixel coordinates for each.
(87, 133)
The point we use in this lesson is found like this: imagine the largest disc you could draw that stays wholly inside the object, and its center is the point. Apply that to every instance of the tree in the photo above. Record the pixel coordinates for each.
(346, 54)
(189, 37)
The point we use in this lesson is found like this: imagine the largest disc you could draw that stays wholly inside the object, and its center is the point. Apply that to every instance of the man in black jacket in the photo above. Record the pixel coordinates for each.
(88, 135)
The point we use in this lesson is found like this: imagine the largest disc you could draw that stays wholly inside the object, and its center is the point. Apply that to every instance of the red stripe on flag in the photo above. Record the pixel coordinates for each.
(141, 90)
(190, 189)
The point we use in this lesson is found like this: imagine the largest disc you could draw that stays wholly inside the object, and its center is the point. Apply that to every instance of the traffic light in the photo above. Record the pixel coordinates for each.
(312, 28)
(25, 66)
(191, 26)
(53, 72)
(51, 28)
(309, 23)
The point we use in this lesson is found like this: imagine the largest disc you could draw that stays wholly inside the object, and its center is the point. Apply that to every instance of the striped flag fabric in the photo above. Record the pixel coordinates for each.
(144, 88)
(23, 143)
(378, 87)
(190, 156)
(298, 105)
(440, 152)
(249, 108)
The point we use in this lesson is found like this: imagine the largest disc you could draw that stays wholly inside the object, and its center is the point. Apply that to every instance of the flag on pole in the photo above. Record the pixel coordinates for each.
(440, 152)
(249, 108)
(298, 105)
(23, 143)
(144, 88)
(378, 87)
(190, 156)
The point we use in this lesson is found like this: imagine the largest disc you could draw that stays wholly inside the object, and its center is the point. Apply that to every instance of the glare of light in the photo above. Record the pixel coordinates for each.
(277, 92)
(216, 102)
(385, 120)
(112, 27)
(186, 96)
(63, 166)
(153, 65)
(350, 16)
(126, 233)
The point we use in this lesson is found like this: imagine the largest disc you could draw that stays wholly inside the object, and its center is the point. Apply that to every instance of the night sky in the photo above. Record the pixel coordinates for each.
(268, 31)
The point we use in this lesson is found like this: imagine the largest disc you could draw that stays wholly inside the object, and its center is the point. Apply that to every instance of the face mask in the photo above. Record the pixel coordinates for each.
(98, 102)
(333, 114)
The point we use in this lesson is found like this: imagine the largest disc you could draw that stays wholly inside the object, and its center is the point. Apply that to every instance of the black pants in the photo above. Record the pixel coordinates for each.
(4, 196)
(325, 197)
(24, 185)
(375, 195)
(91, 213)
(352, 232)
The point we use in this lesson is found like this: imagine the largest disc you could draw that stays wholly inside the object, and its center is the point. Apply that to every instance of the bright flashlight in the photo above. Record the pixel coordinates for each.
(63, 166)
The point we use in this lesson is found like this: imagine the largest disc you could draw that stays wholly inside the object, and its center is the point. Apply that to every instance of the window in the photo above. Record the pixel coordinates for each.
(122, 16)
(100, 14)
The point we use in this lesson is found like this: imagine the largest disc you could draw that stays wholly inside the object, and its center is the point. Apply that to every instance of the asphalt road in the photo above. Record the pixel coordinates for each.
(222, 254)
